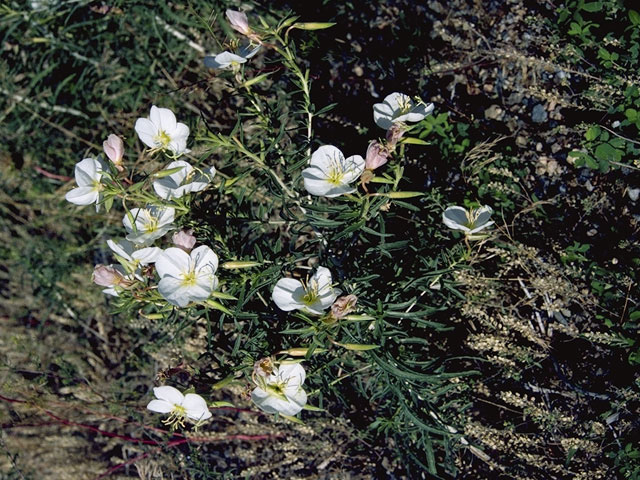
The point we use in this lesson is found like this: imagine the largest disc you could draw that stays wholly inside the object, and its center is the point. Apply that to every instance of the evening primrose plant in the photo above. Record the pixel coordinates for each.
(271, 237)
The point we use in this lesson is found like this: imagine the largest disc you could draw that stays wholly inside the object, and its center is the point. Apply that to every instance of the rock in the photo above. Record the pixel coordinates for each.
(633, 193)
(539, 114)
(494, 112)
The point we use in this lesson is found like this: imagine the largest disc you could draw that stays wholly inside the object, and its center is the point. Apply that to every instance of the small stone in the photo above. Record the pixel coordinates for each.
(592, 232)
(539, 114)
(358, 70)
(633, 193)
(521, 141)
(539, 147)
(494, 112)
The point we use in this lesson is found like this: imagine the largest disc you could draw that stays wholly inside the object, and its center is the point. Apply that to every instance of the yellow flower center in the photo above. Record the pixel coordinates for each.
(472, 217)
(405, 105)
(311, 292)
(189, 278)
(335, 174)
(176, 417)
(162, 138)
(151, 224)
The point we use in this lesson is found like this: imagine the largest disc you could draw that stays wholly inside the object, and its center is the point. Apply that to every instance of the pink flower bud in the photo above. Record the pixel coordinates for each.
(238, 21)
(343, 306)
(106, 276)
(394, 134)
(377, 156)
(114, 149)
(184, 239)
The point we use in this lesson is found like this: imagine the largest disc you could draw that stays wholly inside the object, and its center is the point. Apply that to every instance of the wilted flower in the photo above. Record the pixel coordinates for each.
(161, 131)
(282, 390)
(185, 180)
(376, 156)
(186, 278)
(128, 253)
(343, 306)
(114, 149)
(262, 368)
(149, 223)
(238, 21)
(184, 239)
(111, 277)
(88, 173)
(314, 297)
(179, 407)
(469, 221)
(231, 60)
(398, 107)
(394, 134)
(329, 173)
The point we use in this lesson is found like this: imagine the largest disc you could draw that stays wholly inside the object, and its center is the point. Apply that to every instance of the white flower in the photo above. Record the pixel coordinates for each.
(231, 60)
(282, 390)
(398, 107)
(185, 180)
(318, 295)
(329, 173)
(127, 251)
(88, 173)
(150, 223)
(469, 221)
(180, 407)
(185, 277)
(161, 131)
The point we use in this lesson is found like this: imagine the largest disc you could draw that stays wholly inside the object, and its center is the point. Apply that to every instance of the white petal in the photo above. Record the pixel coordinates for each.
(205, 259)
(164, 119)
(173, 261)
(174, 291)
(160, 406)
(326, 156)
(169, 394)
(122, 248)
(146, 131)
(293, 372)
(165, 216)
(82, 196)
(481, 227)
(455, 218)
(87, 171)
(396, 99)
(147, 255)
(287, 294)
(263, 400)
(196, 407)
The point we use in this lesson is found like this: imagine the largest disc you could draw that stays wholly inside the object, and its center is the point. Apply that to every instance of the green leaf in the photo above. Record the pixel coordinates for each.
(358, 346)
(414, 141)
(167, 172)
(592, 133)
(400, 194)
(292, 419)
(300, 351)
(631, 114)
(255, 80)
(592, 7)
(312, 408)
(359, 318)
(221, 404)
(222, 295)
(240, 264)
(634, 17)
(313, 25)
(218, 306)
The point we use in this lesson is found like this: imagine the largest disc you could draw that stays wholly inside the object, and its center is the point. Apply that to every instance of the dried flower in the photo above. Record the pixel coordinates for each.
(184, 239)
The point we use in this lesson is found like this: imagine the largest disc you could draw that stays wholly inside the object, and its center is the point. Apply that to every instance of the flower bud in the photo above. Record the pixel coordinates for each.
(107, 276)
(394, 134)
(343, 306)
(114, 149)
(238, 21)
(184, 239)
(377, 156)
